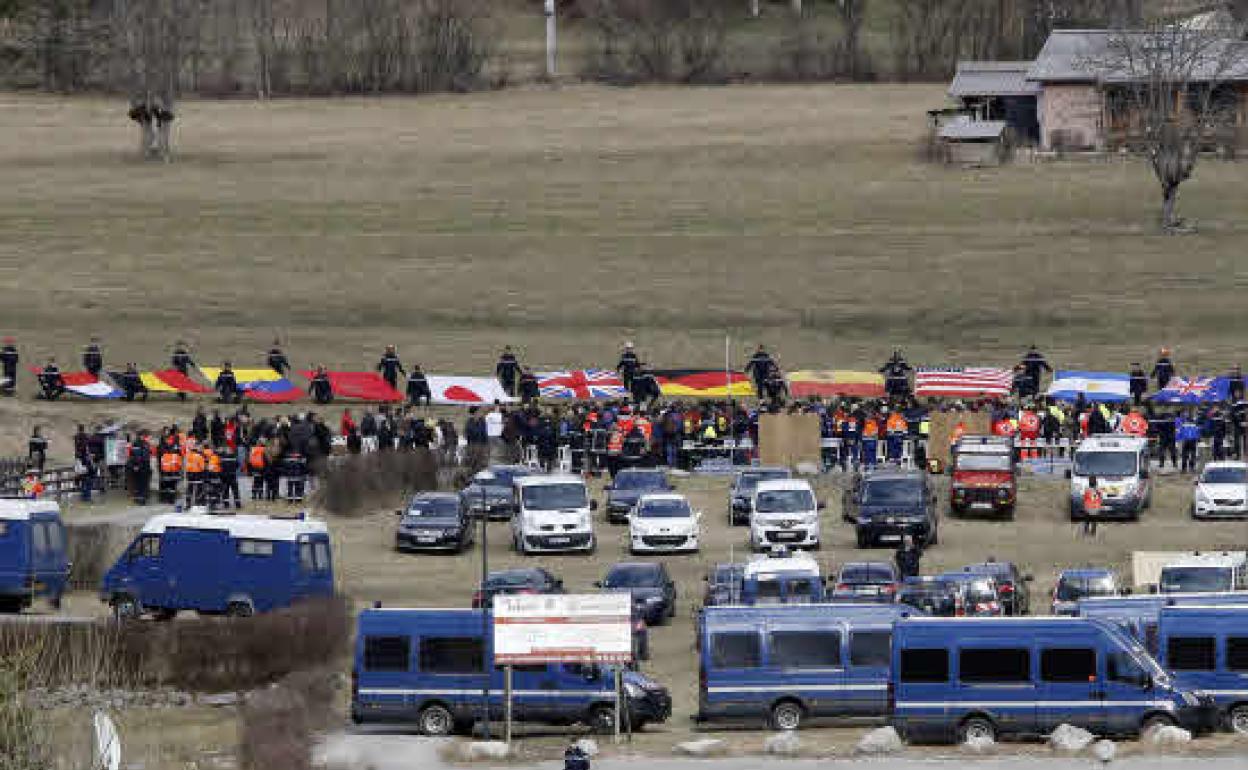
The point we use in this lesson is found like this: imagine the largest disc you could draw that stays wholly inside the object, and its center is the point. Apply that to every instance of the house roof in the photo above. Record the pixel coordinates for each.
(966, 129)
(1086, 56)
(993, 78)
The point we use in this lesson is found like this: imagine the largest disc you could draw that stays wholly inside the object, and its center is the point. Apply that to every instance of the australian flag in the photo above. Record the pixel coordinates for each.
(1193, 390)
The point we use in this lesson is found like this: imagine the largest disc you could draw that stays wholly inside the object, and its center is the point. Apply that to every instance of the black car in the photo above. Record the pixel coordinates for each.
(723, 585)
(937, 597)
(524, 580)
(433, 521)
(628, 487)
(653, 591)
(490, 493)
(1011, 585)
(866, 581)
(885, 506)
(741, 496)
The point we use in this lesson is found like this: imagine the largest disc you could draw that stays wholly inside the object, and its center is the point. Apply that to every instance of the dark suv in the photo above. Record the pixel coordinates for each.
(887, 505)
(866, 581)
(628, 487)
(525, 580)
(1011, 585)
(741, 496)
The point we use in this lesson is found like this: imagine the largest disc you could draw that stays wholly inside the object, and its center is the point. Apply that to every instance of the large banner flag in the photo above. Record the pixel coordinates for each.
(1193, 390)
(1095, 386)
(263, 385)
(703, 383)
(962, 382)
(466, 391)
(807, 383)
(170, 381)
(84, 384)
(581, 384)
(360, 386)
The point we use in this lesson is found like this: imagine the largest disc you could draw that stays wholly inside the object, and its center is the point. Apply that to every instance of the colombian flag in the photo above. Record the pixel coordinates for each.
(808, 382)
(263, 385)
(703, 383)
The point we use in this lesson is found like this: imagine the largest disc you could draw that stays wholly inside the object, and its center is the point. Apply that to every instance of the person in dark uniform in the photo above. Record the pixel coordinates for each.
(37, 450)
(9, 359)
(896, 373)
(1163, 370)
(777, 389)
(908, 558)
(1239, 427)
(277, 360)
(320, 389)
(391, 367)
(645, 388)
(227, 480)
(418, 387)
(1139, 383)
(51, 383)
(758, 368)
(132, 384)
(628, 367)
(508, 372)
(1217, 433)
(181, 362)
(529, 391)
(1035, 366)
(227, 385)
(93, 358)
(139, 465)
(1235, 386)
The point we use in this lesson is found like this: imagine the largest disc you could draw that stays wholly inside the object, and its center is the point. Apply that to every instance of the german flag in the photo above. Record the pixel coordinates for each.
(703, 383)
(826, 383)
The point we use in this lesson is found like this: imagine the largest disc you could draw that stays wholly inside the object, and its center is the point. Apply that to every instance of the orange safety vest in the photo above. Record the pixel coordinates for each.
(1029, 422)
(170, 461)
(957, 433)
(896, 423)
(1135, 424)
(256, 458)
(1092, 500)
(870, 429)
(647, 429)
(214, 462)
(626, 423)
(195, 462)
(615, 442)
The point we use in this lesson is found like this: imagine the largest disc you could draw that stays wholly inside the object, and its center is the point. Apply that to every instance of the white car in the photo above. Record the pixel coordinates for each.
(1221, 490)
(663, 523)
(784, 512)
(552, 515)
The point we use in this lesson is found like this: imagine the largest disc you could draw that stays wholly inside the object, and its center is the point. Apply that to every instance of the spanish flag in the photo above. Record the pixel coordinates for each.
(171, 381)
(703, 383)
(807, 383)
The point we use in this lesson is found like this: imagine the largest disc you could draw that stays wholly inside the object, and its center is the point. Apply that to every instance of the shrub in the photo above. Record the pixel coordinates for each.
(639, 41)
(354, 484)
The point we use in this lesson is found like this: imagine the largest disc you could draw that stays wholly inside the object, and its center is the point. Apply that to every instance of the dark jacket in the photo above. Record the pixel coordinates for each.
(908, 560)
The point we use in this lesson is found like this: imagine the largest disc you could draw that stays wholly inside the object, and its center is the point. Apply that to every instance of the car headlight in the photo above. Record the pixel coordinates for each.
(1191, 699)
(1201, 495)
(654, 599)
(633, 691)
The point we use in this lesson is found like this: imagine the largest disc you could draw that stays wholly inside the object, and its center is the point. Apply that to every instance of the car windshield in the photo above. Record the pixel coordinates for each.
(639, 481)
(784, 501)
(664, 508)
(1105, 463)
(504, 476)
(748, 482)
(982, 462)
(893, 492)
(867, 573)
(433, 508)
(1071, 589)
(632, 576)
(555, 497)
(505, 579)
(1225, 476)
(1195, 579)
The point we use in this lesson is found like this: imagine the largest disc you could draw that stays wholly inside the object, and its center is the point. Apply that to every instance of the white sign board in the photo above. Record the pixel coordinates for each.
(567, 628)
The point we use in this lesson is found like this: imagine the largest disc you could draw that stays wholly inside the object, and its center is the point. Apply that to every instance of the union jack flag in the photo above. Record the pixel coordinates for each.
(581, 384)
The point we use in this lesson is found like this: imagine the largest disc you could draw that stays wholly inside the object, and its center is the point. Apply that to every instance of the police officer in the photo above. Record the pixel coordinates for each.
(8, 367)
(391, 367)
(227, 477)
(629, 366)
(319, 388)
(51, 382)
(1034, 365)
(896, 376)
(132, 384)
(139, 464)
(908, 557)
(181, 362)
(277, 359)
(1235, 388)
(1139, 383)
(777, 388)
(1188, 431)
(529, 391)
(1167, 430)
(227, 385)
(418, 387)
(507, 370)
(645, 388)
(1163, 370)
(758, 368)
(93, 358)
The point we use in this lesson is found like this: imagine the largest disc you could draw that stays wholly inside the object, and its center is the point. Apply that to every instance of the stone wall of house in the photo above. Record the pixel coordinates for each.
(1070, 116)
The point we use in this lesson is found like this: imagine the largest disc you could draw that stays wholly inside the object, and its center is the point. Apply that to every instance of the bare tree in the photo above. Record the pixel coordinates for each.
(1170, 81)
(852, 13)
(153, 44)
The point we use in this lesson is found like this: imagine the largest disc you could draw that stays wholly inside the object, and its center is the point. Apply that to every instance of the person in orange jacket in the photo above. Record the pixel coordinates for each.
(196, 466)
(257, 461)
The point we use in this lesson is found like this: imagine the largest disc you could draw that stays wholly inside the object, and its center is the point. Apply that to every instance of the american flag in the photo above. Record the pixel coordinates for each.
(968, 382)
(581, 384)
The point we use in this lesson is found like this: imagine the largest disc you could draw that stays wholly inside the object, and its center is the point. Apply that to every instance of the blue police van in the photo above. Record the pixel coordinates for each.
(219, 565)
(962, 678)
(790, 663)
(1139, 615)
(1205, 648)
(431, 668)
(33, 559)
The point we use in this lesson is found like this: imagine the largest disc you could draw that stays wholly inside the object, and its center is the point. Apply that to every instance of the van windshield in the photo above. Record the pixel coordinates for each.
(1195, 579)
(640, 480)
(893, 492)
(1225, 476)
(785, 501)
(1105, 464)
(555, 497)
(748, 482)
(982, 462)
(1074, 589)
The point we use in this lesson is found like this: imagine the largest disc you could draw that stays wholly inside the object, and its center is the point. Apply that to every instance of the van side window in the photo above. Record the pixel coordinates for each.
(805, 649)
(1237, 653)
(1068, 664)
(994, 665)
(587, 671)
(255, 547)
(920, 665)
(387, 653)
(307, 559)
(148, 545)
(1191, 653)
(56, 536)
(452, 655)
(39, 538)
(1121, 667)
(735, 650)
(529, 668)
(320, 552)
(870, 648)
(4, 528)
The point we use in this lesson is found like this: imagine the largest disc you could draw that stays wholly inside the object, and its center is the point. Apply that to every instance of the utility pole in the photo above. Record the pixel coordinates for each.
(487, 610)
(550, 39)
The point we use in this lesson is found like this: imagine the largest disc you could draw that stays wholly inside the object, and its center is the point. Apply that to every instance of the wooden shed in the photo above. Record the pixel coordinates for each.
(969, 142)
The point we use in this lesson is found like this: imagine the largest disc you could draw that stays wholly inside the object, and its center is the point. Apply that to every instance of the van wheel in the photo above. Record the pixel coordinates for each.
(863, 540)
(239, 610)
(164, 615)
(602, 719)
(1153, 721)
(10, 606)
(787, 715)
(127, 608)
(978, 729)
(436, 721)
(1237, 719)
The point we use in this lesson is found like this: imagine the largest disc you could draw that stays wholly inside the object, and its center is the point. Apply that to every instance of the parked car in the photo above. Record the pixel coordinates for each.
(723, 585)
(663, 523)
(1074, 585)
(978, 592)
(490, 493)
(886, 505)
(507, 582)
(429, 668)
(652, 589)
(786, 513)
(627, 488)
(552, 515)
(434, 521)
(1012, 585)
(1220, 491)
(933, 595)
(33, 557)
(741, 495)
(866, 581)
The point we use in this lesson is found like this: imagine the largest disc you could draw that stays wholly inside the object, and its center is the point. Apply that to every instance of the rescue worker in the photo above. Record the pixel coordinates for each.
(1093, 503)
(227, 478)
(759, 368)
(277, 359)
(1163, 370)
(257, 459)
(212, 477)
(93, 358)
(1187, 432)
(870, 442)
(139, 466)
(1034, 365)
(51, 383)
(1029, 432)
(196, 465)
(896, 376)
(391, 367)
(418, 387)
(628, 366)
(227, 385)
(896, 428)
(507, 370)
(9, 359)
(32, 487)
(170, 471)
(1138, 383)
(320, 388)
(181, 362)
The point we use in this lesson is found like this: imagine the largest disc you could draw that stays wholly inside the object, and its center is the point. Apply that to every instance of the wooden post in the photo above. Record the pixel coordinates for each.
(507, 704)
(619, 700)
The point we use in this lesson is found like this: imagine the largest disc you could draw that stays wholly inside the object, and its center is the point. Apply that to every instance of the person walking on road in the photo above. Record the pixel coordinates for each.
(908, 558)
(1093, 503)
